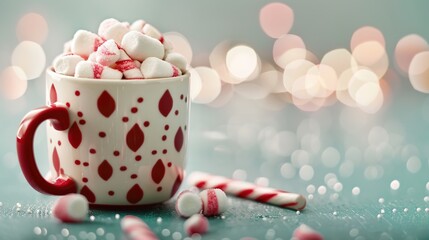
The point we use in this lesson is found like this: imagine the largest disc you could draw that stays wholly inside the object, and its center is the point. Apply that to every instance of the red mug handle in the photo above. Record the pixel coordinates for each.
(60, 120)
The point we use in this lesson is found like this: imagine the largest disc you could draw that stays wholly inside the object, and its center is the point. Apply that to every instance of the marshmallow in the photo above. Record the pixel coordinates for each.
(128, 67)
(66, 64)
(304, 232)
(151, 31)
(156, 68)
(92, 57)
(126, 24)
(137, 63)
(112, 29)
(67, 47)
(70, 208)
(85, 42)
(139, 46)
(196, 224)
(188, 203)
(214, 200)
(138, 25)
(108, 53)
(136, 229)
(177, 60)
(86, 69)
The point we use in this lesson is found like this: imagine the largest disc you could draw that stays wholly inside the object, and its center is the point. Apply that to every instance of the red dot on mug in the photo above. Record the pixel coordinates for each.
(59, 143)
(82, 122)
(146, 123)
(68, 104)
(133, 176)
(134, 109)
(176, 112)
(169, 164)
(86, 164)
(138, 158)
(185, 127)
(79, 114)
(77, 162)
(154, 152)
(164, 137)
(166, 127)
(159, 189)
(84, 179)
(123, 168)
(140, 100)
(102, 134)
(111, 193)
(77, 93)
(116, 153)
(181, 96)
(92, 151)
(125, 119)
(50, 140)
(164, 151)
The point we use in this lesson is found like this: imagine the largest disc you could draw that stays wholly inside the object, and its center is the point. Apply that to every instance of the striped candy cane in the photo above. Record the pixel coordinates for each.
(248, 190)
(135, 229)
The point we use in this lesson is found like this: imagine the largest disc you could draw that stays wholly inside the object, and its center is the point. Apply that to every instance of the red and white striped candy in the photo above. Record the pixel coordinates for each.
(128, 66)
(85, 42)
(112, 29)
(70, 208)
(248, 190)
(156, 68)
(87, 69)
(108, 53)
(136, 229)
(196, 224)
(214, 201)
(304, 232)
(188, 203)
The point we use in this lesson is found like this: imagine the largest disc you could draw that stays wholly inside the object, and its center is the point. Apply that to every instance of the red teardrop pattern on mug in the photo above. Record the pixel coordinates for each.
(53, 94)
(165, 103)
(56, 161)
(75, 135)
(135, 138)
(85, 191)
(105, 170)
(176, 184)
(106, 104)
(135, 194)
(158, 171)
(178, 139)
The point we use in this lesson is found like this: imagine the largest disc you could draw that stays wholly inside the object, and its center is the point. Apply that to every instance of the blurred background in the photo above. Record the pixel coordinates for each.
(325, 98)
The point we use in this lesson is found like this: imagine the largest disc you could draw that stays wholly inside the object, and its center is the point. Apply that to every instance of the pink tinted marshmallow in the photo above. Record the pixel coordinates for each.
(70, 208)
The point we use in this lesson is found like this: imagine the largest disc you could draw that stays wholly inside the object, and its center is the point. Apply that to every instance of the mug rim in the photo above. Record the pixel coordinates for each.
(50, 71)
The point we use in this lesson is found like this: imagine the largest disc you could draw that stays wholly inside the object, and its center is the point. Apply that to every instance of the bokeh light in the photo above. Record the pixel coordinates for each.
(363, 87)
(210, 85)
(13, 82)
(406, 48)
(373, 55)
(419, 72)
(217, 60)
(195, 83)
(243, 62)
(287, 49)
(180, 44)
(225, 95)
(294, 71)
(366, 34)
(30, 57)
(340, 60)
(32, 27)
(276, 19)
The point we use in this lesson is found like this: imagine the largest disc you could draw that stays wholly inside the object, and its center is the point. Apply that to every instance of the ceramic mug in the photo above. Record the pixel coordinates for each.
(117, 142)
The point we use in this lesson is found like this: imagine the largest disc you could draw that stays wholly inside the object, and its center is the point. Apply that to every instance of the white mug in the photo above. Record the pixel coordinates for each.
(117, 142)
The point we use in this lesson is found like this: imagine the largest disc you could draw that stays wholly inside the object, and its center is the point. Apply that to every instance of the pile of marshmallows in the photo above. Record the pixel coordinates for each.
(191, 205)
(120, 51)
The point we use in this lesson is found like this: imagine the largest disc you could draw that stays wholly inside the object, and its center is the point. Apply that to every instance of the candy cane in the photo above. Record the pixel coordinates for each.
(136, 229)
(248, 190)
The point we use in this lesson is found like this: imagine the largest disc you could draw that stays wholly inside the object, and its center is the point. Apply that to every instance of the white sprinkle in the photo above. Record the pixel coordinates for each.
(394, 210)
(18, 205)
(405, 210)
(381, 200)
(426, 199)
(1, 204)
(222, 217)
(29, 211)
(65, 232)
(427, 186)
(159, 220)
(335, 213)
(395, 184)
(354, 232)
(37, 230)
(91, 236)
(356, 191)
(165, 232)
(92, 218)
(110, 236)
(264, 218)
(321, 190)
(310, 196)
(99, 231)
(298, 213)
(311, 188)
(338, 187)
(284, 217)
(379, 215)
(18, 209)
(117, 216)
(418, 209)
(382, 211)
(176, 236)
(427, 210)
